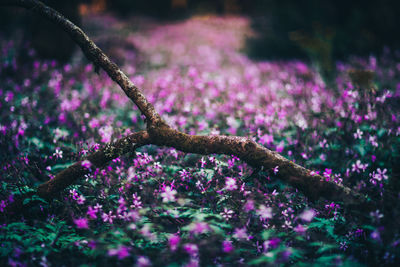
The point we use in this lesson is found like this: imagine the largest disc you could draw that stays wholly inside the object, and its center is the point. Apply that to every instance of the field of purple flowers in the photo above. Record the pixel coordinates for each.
(163, 207)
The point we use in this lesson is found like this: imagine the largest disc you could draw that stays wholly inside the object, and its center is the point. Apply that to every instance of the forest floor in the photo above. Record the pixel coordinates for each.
(163, 207)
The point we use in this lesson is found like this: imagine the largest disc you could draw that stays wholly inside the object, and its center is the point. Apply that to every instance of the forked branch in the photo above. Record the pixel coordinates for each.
(159, 133)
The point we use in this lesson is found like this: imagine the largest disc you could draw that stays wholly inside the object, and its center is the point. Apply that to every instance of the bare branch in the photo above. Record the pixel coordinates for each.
(313, 186)
(159, 133)
(97, 159)
(68, 176)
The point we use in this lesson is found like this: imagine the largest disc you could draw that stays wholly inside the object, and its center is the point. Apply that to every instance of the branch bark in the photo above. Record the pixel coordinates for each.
(160, 133)
(68, 176)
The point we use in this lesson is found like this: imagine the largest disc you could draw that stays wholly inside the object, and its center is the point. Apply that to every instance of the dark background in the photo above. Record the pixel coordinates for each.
(307, 29)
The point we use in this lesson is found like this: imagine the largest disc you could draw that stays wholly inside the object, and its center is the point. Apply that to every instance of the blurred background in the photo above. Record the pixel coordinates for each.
(320, 31)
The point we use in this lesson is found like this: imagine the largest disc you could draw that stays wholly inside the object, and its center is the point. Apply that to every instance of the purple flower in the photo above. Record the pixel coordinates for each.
(191, 249)
(227, 246)
(376, 235)
(3, 204)
(81, 223)
(272, 243)
(136, 202)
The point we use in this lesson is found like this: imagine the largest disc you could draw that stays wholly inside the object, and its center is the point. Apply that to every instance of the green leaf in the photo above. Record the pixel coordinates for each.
(61, 166)
(37, 142)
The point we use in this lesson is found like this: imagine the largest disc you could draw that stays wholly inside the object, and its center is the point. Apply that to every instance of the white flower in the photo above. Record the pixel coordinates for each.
(230, 184)
(358, 166)
(265, 212)
(106, 133)
(168, 194)
(227, 214)
(58, 153)
(307, 215)
(358, 134)
(379, 174)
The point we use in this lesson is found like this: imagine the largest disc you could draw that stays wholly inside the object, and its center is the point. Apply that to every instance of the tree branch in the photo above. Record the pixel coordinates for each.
(93, 53)
(97, 159)
(159, 133)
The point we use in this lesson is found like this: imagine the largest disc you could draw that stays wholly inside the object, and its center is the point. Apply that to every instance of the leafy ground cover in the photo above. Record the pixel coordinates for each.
(162, 207)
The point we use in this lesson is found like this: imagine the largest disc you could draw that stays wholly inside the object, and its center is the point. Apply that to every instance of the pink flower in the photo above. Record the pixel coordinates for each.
(74, 194)
(199, 228)
(191, 249)
(121, 252)
(143, 261)
(266, 139)
(80, 200)
(81, 223)
(86, 163)
(240, 233)
(106, 133)
(173, 241)
(327, 174)
(108, 217)
(299, 229)
(184, 174)
(249, 205)
(92, 212)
